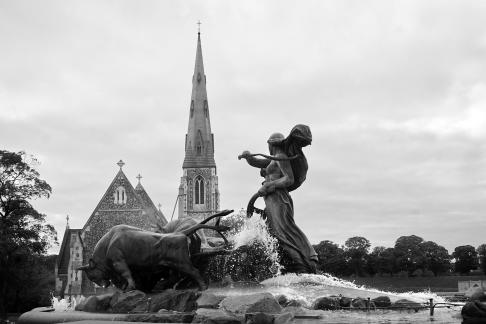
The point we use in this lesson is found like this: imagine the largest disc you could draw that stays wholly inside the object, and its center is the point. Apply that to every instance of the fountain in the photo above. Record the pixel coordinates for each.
(294, 294)
(265, 273)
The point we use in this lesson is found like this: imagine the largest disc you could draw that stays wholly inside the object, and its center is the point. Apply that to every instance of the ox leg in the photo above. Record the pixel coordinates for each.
(190, 270)
(122, 268)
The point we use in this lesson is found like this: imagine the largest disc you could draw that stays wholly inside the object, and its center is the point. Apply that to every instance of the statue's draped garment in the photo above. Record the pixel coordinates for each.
(299, 255)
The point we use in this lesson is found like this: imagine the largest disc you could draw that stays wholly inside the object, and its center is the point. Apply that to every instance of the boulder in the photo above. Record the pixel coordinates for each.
(282, 300)
(326, 303)
(89, 304)
(382, 301)
(345, 302)
(161, 317)
(284, 318)
(125, 302)
(295, 310)
(208, 300)
(215, 316)
(259, 318)
(174, 300)
(474, 311)
(264, 318)
(359, 303)
(475, 293)
(93, 304)
(295, 303)
(405, 303)
(260, 302)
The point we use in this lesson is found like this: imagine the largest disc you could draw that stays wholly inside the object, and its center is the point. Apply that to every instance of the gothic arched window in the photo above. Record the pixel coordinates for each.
(120, 196)
(192, 108)
(206, 109)
(198, 149)
(199, 191)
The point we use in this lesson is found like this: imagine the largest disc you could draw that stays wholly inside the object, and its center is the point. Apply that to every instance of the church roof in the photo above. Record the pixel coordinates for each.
(149, 205)
(136, 200)
(199, 139)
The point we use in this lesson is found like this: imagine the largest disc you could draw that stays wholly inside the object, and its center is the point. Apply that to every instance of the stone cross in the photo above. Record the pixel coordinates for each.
(139, 177)
(121, 164)
(198, 26)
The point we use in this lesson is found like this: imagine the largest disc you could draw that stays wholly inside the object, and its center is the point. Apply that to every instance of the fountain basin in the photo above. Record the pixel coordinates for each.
(299, 292)
(46, 315)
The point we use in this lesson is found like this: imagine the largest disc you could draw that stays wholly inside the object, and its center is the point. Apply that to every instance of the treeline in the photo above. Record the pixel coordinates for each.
(411, 256)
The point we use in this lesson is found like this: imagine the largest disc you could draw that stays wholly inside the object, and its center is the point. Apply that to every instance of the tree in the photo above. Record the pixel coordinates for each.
(466, 259)
(410, 256)
(356, 249)
(437, 258)
(382, 260)
(32, 282)
(331, 258)
(23, 230)
(482, 257)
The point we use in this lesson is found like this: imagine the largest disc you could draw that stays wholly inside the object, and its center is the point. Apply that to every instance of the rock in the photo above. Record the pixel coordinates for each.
(260, 302)
(174, 300)
(382, 301)
(474, 310)
(294, 310)
(345, 302)
(326, 303)
(215, 316)
(282, 300)
(122, 302)
(208, 300)
(284, 318)
(405, 303)
(295, 303)
(161, 317)
(359, 303)
(88, 305)
(93, 304)
(259, 318)
(475, 293)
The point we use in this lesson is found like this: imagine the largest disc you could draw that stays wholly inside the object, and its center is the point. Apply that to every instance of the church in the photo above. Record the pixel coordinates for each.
(121, 204)
(198, 196)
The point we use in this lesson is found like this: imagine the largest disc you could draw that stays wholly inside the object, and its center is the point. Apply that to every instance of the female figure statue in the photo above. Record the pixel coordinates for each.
(285, 170)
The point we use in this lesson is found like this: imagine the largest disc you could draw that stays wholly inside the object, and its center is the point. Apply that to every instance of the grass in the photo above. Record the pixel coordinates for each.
(415, 284)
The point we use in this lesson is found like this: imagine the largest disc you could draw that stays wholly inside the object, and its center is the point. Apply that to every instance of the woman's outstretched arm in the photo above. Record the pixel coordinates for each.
(253, 161)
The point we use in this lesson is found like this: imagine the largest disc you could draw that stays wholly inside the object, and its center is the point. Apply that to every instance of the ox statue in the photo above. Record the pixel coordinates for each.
(131, 258)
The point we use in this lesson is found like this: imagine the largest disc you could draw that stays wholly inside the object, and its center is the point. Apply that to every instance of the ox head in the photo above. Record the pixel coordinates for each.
(96, 274)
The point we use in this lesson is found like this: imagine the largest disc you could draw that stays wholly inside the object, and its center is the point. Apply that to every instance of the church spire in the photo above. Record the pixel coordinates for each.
(198, 192)
(199, 139)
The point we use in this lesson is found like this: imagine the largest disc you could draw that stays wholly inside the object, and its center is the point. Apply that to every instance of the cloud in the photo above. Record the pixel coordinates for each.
(393, 92)
(469, 120)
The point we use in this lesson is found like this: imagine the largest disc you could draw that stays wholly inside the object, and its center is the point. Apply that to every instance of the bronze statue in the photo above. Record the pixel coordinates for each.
(284, 170)
(131, 258)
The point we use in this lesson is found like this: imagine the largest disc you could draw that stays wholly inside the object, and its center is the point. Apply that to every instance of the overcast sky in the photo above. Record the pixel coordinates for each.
(393, 91)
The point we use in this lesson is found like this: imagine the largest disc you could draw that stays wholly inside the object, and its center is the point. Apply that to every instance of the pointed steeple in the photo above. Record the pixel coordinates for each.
(199, 139)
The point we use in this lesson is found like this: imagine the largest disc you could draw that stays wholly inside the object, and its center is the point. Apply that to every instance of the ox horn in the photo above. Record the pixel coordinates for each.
(83, 268)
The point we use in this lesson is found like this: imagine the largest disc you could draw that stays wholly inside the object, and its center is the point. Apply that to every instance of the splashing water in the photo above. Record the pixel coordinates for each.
(312, 286)
(254, 255)
(64, 305)
(254, 231)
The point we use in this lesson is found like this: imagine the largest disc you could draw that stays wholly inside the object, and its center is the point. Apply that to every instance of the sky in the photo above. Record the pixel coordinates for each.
(393, 91)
